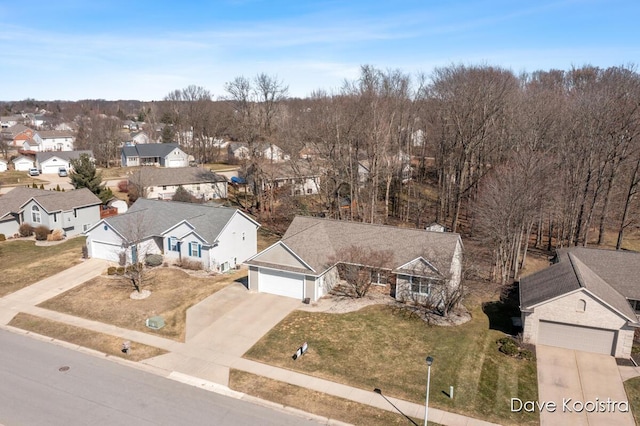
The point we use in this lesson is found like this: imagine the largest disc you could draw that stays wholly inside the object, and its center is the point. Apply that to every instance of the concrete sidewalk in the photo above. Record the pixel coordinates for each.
(205, 359)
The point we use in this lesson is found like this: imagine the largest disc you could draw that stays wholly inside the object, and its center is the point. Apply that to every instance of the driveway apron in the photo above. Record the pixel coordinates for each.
(583, 386)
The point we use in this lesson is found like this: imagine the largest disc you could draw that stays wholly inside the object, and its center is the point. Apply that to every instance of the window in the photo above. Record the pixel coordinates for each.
(243, 236)
(309, 190)
(581, 306)
(379, 277)
(198, 187)
(195, 249)
(420, 285)
(86, 227)
(173, 244)
(164, 187)
(35, 214)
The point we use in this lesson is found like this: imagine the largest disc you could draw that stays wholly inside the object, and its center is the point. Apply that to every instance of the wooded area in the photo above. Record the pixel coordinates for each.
(545, 159)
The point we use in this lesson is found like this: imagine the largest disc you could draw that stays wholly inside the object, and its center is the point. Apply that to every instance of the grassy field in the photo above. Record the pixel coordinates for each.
(106, 343)
(15, 178)
(314, 402)
(632, 387)
(383, 347)
(23, 263)
(173, 291)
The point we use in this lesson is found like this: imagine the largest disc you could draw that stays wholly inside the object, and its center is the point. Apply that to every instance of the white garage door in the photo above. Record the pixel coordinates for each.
(575, 337)
(281, 283)
(110, 252)
(176, 163)
(51, 168)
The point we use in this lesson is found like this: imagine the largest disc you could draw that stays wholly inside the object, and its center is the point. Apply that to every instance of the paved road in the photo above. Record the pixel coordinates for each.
(95, 391)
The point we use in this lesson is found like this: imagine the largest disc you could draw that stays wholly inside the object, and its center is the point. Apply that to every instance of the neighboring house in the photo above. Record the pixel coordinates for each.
(238, 151)
(299, 178)
(221, 238)
(3, 165)
(140, 138)
(56, 140)
(72, 211)
(22, 163)
(17, 135)
(162, 183)
(401, 162)
(303, 264)
(270, 152)
(588, 301)
(7, 121)
(154, 154)
(50, 162)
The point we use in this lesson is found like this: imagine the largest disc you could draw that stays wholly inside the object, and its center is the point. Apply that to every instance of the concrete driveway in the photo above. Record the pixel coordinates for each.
(55, 180)
(583, 386)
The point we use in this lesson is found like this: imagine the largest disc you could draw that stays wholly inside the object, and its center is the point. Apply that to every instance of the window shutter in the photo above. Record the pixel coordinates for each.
(189, 249)
(199, 250)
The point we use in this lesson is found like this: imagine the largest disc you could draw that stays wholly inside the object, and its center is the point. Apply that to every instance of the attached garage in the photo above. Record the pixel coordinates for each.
(177, 163)
(282, 283)
(570, 336)
(103, 250)
(52, 165)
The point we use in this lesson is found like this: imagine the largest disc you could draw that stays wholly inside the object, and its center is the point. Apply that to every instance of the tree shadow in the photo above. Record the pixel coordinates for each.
(504, 314)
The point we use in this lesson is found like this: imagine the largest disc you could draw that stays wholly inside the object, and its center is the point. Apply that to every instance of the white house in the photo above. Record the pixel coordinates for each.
(3, 165)
(162, 183)
(52, 161)
(304, 264)
(56, 140)
(22, 163)
(154, 154)
(299, 178)
(270, 152)
(220, 238)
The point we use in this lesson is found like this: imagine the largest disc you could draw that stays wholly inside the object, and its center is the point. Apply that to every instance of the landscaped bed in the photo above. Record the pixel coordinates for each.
(111, 345)
(385, 347)
(24, 263)
(173, 291)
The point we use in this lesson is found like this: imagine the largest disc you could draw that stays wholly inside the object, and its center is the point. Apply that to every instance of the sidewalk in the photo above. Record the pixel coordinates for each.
(195, 363)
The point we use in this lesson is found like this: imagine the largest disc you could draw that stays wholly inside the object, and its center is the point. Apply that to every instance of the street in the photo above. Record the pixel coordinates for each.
(45, 384)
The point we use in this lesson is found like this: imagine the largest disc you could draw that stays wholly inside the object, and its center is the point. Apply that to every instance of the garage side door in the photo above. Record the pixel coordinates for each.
(110, 252)
(570, 336)
(281, 283)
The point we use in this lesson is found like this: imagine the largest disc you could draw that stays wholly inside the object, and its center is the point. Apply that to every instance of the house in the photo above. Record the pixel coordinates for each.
(270, 152)
(52, 161)
(22, 163)
(237, 151)
(56, 140)
(304, 264)
(298, 178)
(161, 183)
(139, 138)
(72, 211)
(154, 154)
(220, 238)
(17, 135)
(401, 163)
(7, 121)
(3, 165)
(587, 300)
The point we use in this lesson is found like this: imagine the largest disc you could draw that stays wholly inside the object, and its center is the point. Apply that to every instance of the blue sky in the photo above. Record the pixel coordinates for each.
(139, 49)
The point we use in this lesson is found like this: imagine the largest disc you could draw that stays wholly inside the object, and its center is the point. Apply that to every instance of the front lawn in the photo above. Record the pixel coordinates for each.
(23, 263)
(17, 178)
(632, 388)
(384, 347)
(173, 291)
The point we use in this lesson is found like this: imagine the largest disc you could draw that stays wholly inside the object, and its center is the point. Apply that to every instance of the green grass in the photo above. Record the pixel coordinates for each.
(22, 263)
(632, 388)
(383, 347)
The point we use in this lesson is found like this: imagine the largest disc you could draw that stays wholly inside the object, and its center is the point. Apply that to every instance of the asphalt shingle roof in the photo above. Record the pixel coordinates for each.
(318, 241)
(153, 218)
(147, 150)
(65, 155)
(51, 201)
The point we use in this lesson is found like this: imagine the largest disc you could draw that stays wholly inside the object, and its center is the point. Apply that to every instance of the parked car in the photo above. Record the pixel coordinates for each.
(34, 172)
(62, 172)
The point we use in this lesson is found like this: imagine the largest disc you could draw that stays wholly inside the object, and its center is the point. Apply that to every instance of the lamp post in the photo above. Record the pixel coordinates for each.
(426, 404)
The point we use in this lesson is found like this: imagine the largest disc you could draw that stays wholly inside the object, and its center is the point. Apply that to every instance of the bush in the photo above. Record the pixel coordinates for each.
(153, 260)
(56, 235)
(192, 265)
(25, 230)
(111, 270)
(120, 270)
(508, 346)
(123, 186)
(41, 233)
(3, 237)
(527, 355)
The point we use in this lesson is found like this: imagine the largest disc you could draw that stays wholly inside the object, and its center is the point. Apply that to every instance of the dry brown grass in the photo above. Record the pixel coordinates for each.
(173, 291)
(23, 263)
(106, 343)
(313, 402)
(266, 238)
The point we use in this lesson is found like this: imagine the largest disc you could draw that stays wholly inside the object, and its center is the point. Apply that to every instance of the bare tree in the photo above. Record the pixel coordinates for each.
(356, 265)
(136, 246)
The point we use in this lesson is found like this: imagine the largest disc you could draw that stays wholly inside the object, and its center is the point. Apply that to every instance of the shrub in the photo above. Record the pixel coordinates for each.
(25, 230)
(527, 354)
(192, 265)
(85, 252)
(58, 187)
(153, 260)
(120, 270)
(41, 233)
(3, 237)
(123, 186)
(111, 270)
(508, 346)
(56, 235)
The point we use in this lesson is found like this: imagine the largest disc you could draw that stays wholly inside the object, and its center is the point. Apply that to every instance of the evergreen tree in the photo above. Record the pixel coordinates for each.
(85, 175)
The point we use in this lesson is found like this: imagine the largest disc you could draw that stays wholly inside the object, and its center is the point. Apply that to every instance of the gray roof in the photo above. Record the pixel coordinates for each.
(51, 201)
(153, 218)
(54, 134)
(65, 155)
(147, 150)
(159, 176)
(572, 273)
(317, 242)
